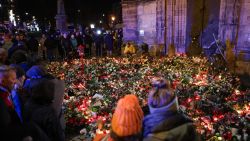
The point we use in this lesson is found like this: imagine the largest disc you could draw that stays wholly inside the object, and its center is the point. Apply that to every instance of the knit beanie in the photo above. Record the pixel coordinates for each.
(161, 95)
(128, 116)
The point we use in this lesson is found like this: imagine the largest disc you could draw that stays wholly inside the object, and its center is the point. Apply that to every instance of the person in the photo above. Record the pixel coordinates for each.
(11, 127)
(79, 38)
(74, 44)
(23, 41)
(17, 46)
(66, 46)
(88, 40)
(129, 49)
(7, 42)
(51, 47)
(42, 49)
(58, 50)
(108, 42)
(21, 58)
(17, 92)
(164, 121)
(34, 73)
(119, 42)
(39, 110)
(3, 56)
(33, 45)
(98, 40)
(126, 123)
(38, 73)
(144, 48)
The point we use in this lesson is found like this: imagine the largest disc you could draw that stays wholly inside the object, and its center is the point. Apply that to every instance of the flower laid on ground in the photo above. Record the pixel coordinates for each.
(209, 95)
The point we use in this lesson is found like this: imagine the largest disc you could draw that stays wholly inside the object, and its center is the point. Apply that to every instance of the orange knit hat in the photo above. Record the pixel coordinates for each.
(128, 116)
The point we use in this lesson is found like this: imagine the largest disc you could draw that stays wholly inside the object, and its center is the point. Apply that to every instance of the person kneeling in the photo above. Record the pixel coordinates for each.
(129, 49)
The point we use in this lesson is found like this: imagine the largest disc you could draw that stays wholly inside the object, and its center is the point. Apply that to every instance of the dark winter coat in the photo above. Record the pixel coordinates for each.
(173, 128)
(16, 47)
(50, 43)
(11, 128)
(167, 125)
(66, 45)
(45, 117)
(108, 40)
(8, 115)
(33, 45)
(88, 40)
(39, 110)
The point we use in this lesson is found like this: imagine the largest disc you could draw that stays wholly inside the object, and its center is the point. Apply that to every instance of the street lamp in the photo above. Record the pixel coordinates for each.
(113, 18)
(99, 32)
(92, 26)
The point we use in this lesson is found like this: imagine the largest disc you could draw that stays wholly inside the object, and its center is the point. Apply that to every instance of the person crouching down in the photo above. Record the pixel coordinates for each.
(126, 122)
(129, 49)
(164, 123)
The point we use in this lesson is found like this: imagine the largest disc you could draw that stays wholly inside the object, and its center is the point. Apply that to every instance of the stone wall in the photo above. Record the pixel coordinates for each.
(243, 44)
(160, 21)
(234, 26)
(154, 22)
(176, 24)
(229, 20)
(147, 22)
(129, 15)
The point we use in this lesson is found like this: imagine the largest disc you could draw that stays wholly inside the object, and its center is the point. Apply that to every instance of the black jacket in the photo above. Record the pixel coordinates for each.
(168, 127)
(33, 45)
(45, 117)
(11, 128)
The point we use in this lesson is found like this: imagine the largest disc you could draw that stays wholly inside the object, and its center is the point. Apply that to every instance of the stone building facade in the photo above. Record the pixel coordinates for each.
(144, 21)
(173, 22)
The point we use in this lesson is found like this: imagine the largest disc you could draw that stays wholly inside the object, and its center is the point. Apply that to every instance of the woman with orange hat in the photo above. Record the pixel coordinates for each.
(126, 122)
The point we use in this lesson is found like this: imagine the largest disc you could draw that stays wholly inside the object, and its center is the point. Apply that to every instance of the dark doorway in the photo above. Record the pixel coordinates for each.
(202, 21)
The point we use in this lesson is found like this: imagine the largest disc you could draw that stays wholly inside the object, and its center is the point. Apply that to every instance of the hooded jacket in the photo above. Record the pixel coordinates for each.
(166, 124)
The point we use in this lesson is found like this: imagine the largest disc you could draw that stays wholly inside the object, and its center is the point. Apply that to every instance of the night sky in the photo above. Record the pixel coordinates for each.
(91, 10)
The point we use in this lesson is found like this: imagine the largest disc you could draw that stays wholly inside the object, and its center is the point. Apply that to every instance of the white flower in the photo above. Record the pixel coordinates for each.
(83, 131)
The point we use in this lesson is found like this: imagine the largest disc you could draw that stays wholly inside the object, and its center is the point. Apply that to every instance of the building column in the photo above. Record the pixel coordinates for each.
(243, 39)
(176, 21)
(129, 15)
(61, 16)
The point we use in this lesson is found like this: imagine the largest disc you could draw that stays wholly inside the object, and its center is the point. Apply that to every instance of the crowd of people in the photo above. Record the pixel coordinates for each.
(25, 102)
(54, 45)
(27, 92)
(159, 121)
(27, 111)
